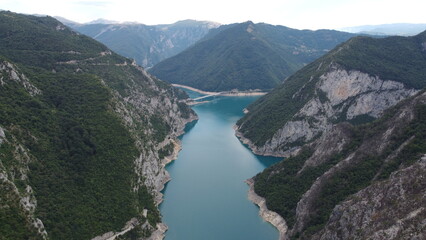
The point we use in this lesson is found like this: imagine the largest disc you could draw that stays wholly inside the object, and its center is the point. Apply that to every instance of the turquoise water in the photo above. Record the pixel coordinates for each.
(207, 197)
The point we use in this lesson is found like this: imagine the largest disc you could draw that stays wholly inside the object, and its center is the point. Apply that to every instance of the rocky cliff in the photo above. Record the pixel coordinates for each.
(355, 82)
(361, 181)
(84, 136)
(391, 209)
(340, 95)
(352, 125)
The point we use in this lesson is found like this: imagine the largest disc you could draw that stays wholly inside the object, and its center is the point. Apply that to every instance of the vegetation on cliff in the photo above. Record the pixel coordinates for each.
(246, 56)
(401, 59)
(364, 163)
(81, 153)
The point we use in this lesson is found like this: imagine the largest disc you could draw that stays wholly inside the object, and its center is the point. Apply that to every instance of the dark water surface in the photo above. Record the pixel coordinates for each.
(207, 197)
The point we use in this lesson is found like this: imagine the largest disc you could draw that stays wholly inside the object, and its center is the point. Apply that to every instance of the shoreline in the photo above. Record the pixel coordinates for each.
(254, 149)
(228, 94)
(161, 227)
(177, 146)
(269, 216)
(159, 233)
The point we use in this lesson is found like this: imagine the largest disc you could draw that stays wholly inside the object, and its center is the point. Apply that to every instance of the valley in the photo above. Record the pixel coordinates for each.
(211, 131)
(211, 168)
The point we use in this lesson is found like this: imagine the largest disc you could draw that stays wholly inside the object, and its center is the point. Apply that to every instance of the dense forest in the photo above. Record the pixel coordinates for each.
(246, 56)
(59, 97)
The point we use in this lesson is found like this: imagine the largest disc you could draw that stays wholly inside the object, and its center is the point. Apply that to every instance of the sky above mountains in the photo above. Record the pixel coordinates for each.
(301, 14)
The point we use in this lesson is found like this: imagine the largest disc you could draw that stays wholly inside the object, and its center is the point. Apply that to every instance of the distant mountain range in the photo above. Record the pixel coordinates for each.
(402, 29)
(73, 23)
(67, 22)
(102, 21)
(147, 45)
(247, 56)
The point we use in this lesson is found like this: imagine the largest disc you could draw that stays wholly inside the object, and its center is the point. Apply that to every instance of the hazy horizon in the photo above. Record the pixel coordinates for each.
(206, 20)
(300, 14)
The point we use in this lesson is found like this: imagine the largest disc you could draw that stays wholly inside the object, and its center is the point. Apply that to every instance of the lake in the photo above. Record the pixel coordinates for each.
(207, 197)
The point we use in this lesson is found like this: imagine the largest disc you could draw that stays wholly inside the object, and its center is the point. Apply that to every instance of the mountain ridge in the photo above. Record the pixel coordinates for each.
(147, 44)
(246, 56)
(342, 84)
(84, 135)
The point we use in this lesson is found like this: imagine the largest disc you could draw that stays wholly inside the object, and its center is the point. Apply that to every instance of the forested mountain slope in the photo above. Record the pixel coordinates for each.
(83, 134)
(247, 56)
(355, 182)
(355, 82)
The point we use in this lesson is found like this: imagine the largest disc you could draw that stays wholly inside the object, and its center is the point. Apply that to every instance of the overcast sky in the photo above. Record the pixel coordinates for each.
(301, 14)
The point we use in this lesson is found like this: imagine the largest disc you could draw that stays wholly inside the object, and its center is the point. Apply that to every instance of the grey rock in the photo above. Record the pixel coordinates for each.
(331, 143)
(391, 209)
(12, 74)
(349, 94)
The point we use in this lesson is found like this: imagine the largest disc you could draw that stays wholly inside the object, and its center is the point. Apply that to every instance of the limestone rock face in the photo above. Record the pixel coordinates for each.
(332, 143)
(361, 93)
(386, 198)
(9, 72)
(340, 95)
(133, 110)
(347, 176)
(22, 199)
(392, 209)
(2, 135)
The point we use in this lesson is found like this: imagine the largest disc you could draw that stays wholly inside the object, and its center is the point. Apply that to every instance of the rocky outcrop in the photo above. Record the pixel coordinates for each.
(355, 82)
(2, 135)
(340, 95)
(373, 146)
(385, 207)
(15, 174)
(9, 72)
(359, 93)
(391, 209)
(158, 234)
(322, 119)
(272, 217)
(133, 110)
(331, 142)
